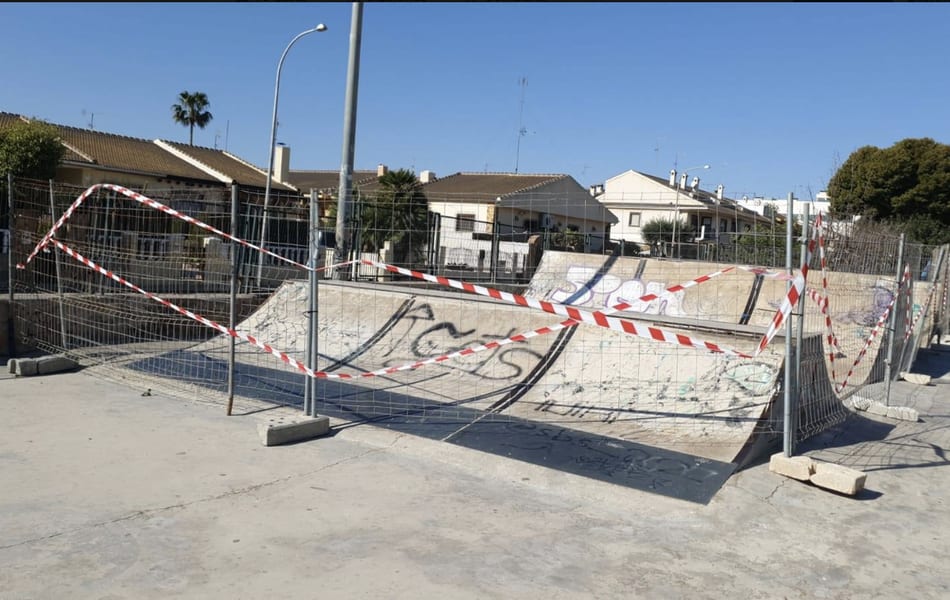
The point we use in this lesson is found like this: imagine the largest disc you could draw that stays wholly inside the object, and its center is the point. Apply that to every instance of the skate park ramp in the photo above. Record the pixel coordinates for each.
(665, 417)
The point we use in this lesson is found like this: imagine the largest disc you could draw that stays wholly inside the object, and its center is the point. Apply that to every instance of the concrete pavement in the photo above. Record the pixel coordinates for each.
(109, 493)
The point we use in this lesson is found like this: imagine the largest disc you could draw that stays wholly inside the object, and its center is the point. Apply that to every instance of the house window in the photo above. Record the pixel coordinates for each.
(634, 220)
(465, 223)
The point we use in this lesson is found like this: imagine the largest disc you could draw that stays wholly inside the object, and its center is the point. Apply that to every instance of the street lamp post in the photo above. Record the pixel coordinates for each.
(273, 140)
(676, 219)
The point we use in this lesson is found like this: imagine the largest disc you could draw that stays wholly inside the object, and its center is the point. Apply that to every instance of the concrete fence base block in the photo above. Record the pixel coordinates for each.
(45, 365)
(902, 413)
(298, 431)
(25, 367)
(918, 378)
(796, 467)
(838, 479)
(54, 364)
(11, 365)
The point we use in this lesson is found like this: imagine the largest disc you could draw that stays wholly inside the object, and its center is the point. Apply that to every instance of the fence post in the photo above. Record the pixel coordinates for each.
(11, 334)
(892, 326)
(799, 334)
(788, 442)
(59, 278)
(310, 383)
(232, 316)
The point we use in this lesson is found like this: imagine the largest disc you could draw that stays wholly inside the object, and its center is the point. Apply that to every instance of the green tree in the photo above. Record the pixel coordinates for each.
(662, 229)
(399, 213)
(190, 111)
(906, 185)
(30, 149)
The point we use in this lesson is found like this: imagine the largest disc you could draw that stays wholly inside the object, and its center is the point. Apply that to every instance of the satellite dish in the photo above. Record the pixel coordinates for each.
(758, 202)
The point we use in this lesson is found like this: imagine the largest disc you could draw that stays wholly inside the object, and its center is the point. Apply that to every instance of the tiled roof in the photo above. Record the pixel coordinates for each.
(487, 186)
(227, 164)
(325, 180)
(10, 119)
(127, 154)
(134, 155)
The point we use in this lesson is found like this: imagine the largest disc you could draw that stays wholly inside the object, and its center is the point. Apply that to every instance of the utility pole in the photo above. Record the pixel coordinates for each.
(344, 212)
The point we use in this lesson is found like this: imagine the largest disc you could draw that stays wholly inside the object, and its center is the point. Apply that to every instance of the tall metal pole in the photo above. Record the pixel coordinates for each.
(789, 432)
(892, 326)
(11, 335)
(232, 318)
(273, 141)
(799, 334)
(344, 213)
(310, 389)
(59, 278)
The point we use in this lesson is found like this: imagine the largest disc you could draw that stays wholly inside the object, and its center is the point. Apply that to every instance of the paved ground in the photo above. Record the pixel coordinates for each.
(106, 493)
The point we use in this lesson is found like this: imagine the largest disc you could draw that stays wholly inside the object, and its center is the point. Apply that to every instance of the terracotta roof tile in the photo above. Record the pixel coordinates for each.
(487, 186)
(228, 164)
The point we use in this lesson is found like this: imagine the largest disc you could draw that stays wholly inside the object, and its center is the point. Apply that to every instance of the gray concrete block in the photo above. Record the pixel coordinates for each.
(25, 367)
(904, 413)
(11, 365)
(54, 364)
(860, 402)
(796, 467)
(287, 433)
(837, 478)
(918, 378)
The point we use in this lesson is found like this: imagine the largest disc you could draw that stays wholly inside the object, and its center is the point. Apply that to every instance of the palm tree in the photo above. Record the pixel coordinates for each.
(397, 213)
(190, 111)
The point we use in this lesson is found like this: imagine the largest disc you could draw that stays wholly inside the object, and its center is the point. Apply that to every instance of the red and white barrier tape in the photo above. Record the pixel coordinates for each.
(598, 318)
(920, 315)
(794, 292)
(151, 204)
(524, 336)
(877, 327)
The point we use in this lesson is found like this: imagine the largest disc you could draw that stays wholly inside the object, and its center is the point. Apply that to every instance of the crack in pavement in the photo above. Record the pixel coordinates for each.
(234, 492)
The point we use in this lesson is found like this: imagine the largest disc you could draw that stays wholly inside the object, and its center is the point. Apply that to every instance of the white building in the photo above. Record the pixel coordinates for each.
(636, 198)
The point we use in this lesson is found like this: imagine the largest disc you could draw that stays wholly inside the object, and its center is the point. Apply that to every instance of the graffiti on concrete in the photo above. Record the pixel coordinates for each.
(609, 290)
(428, 337)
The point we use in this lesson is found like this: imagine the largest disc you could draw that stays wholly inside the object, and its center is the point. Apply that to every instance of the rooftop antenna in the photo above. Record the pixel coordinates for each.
(523, 82)
(656, 153)
(92, 118)
(227, 129)
(217, 136)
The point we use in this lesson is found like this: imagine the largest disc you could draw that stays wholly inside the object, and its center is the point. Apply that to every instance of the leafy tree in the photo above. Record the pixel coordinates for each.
(30, 149)
(764, 245)
(662, 229)
(190, 111)
(398, 213)
(906, 185)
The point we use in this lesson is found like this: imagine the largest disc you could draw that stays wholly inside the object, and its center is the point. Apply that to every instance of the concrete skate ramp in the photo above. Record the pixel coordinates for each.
(620, 400)
(584, 378)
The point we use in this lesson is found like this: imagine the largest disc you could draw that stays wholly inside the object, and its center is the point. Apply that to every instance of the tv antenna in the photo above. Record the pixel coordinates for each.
(91, 124)
(523, 82)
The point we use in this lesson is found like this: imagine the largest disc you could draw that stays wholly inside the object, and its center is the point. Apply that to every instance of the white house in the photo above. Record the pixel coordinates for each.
(475, 206)
(762, 205)
(637, 198)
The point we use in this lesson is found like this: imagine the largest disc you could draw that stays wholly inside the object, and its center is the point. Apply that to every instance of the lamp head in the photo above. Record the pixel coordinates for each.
(320, 27)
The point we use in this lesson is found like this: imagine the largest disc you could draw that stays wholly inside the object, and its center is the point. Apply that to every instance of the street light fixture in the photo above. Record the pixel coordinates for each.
(273, 141)
(676, 219)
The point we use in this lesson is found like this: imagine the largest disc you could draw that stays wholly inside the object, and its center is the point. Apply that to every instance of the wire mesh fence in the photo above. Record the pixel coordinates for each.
(453, 317)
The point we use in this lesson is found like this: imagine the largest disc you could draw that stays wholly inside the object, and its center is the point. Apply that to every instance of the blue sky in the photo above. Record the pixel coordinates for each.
(774, 96)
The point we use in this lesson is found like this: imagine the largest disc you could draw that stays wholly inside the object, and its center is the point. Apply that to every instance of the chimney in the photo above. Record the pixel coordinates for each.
(672, 177)
(719, 190)
(683, 181)
(281, 163)
(695, 185)
(427, 177)
(381, 170)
